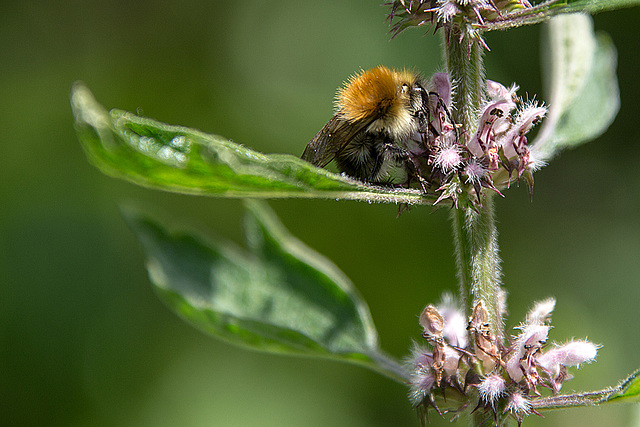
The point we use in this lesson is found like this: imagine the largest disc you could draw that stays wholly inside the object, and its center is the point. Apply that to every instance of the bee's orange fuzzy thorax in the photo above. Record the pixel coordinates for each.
(372, 93)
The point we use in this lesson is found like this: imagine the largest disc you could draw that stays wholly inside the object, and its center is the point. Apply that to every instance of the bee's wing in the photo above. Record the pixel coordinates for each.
(331, 139)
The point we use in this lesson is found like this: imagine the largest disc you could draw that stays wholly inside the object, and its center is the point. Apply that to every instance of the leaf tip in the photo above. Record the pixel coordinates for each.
(86, 110)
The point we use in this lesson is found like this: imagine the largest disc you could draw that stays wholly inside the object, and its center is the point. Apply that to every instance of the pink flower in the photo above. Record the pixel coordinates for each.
(573, 353)
(530, 341)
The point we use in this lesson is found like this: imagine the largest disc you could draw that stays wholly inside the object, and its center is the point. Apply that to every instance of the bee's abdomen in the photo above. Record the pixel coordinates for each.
(364, 158)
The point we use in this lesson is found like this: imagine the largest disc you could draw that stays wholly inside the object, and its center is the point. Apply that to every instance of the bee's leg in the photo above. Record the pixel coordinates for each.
(375, 170)
(400, 154)
(424, 184)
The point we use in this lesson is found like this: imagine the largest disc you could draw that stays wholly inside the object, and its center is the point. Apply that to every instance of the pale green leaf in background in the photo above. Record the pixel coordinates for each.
(183, 160)
(581, 85)
(278, 296)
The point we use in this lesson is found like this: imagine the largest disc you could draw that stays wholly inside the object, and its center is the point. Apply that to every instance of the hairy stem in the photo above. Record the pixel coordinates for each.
(475, 232)
(477, 259)
(466, 71)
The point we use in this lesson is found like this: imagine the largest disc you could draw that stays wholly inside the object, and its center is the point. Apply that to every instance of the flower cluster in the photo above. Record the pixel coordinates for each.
(464, 361)
(470, 16)
(494, 154)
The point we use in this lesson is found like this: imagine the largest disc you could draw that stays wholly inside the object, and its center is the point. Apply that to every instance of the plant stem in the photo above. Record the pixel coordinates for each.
(475, 234)
(466, 72)
(476, 246)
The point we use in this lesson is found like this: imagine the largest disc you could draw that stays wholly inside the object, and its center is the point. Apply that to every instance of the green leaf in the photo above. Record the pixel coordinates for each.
(184, 160)
(582, 88)
(278, 296)
(627, 391)
(543, 11)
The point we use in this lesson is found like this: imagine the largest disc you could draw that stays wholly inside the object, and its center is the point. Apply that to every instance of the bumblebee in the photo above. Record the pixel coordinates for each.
(380, 113)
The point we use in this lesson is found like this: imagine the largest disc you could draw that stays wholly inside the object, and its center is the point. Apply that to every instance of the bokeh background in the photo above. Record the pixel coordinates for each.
(83, 339)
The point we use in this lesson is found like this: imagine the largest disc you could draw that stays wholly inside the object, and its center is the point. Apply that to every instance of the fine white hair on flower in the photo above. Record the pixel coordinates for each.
(541, 311)
(515, 142)
(573, 353)
(491, 388)
(475, 172)
(532, 334)
(536, 163)
(518, 404)
(422, 382)
(448, 158)
(446, 11)
(420, 357)
(455, 322)
(421, 378)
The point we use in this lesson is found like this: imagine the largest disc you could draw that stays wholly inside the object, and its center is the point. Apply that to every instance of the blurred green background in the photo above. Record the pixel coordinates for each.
(84, 341)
